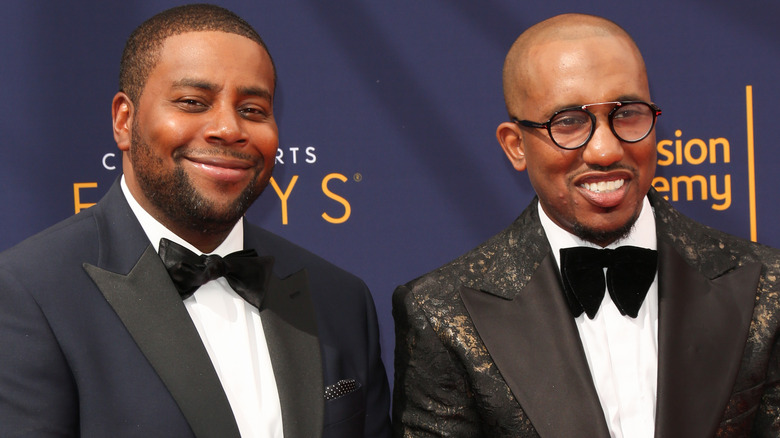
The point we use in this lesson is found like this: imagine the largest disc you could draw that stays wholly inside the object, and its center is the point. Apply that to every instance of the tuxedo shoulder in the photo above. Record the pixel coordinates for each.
(66, 240)
(43, 265)
(290, 257)
(437, 293)
(713, 251)
(503, 263)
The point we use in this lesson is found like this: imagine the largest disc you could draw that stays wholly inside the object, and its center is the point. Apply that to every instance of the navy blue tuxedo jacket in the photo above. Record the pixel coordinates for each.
(95, 341)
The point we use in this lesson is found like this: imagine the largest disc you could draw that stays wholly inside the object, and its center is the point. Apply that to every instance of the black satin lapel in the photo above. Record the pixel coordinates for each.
(702, 330)
(148, 305)
(290, 327)
(536, 347)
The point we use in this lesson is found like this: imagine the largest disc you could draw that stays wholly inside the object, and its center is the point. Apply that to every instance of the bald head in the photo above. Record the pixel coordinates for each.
(519, 63)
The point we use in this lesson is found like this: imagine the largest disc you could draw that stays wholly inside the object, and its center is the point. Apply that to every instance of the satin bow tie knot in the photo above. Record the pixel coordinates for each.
(246, 272)
(630, 272)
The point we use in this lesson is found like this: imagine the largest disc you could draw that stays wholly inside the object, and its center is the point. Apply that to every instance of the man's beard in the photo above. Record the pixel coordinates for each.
(597, 236)
(172, 193)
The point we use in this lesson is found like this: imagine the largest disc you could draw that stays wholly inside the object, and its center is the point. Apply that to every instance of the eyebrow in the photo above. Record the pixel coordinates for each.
(621, 98)
(205, 85)
(195, 83)
(261, 92)
(629, 97)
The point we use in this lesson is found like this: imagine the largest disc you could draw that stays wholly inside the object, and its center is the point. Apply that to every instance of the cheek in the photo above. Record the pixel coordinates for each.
(179, 129)
(549, 173)
(267, 142)
(645, 159)
(269, 147)
(557, 170)
(165, 132)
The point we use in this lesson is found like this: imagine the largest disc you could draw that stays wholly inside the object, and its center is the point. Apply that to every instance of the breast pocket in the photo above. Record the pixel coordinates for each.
(345, 414)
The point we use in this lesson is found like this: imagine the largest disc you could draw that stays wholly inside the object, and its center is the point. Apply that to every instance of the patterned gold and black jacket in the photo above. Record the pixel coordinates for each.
(486, 346)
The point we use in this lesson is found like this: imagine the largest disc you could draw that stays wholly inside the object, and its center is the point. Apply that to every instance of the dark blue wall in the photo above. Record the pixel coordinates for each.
(402, 99)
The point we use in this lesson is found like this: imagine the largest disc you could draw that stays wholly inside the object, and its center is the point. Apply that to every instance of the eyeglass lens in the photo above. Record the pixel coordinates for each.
(630, 122)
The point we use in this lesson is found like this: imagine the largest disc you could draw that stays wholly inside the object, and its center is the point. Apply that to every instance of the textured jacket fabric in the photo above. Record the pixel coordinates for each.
(486, 346)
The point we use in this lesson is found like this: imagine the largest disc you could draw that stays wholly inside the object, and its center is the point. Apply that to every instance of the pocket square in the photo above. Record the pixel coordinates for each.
(341, 388)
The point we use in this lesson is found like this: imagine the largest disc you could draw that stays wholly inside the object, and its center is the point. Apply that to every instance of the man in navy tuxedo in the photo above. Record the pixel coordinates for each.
(112, 323)
(526, 336)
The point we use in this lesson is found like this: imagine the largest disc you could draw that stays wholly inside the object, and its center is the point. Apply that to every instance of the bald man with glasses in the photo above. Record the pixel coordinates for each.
(601, 311)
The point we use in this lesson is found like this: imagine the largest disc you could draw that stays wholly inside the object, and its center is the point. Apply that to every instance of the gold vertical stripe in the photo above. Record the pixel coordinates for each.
(751, 162)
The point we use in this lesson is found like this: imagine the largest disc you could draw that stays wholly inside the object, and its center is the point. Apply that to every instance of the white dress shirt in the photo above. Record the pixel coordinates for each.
(622, 352)
(232, 333)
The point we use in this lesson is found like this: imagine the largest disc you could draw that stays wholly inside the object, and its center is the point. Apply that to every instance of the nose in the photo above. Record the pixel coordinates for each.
(224, 126)
(604, 148)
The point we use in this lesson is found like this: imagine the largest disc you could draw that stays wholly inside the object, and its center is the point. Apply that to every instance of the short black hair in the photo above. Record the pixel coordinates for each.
(142, 49)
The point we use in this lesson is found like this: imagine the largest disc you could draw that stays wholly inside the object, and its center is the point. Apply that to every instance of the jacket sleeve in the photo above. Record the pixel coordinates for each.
(432, 396)
(38, 397)
(767, 422)
(765, 340)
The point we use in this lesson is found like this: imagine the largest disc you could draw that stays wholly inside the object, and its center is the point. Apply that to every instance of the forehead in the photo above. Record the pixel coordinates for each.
(213, 55)
(568, 72)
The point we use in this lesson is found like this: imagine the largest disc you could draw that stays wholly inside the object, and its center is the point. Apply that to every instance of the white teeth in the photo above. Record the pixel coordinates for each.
(603, 186)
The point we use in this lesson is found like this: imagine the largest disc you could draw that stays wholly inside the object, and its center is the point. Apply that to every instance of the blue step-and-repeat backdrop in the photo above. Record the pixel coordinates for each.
(388, 163)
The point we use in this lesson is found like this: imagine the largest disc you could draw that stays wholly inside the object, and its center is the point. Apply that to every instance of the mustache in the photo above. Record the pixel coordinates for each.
(597, 168)
(611, 167)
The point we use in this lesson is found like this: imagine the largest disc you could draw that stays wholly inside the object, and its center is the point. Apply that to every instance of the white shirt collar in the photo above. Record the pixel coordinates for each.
(155, 230)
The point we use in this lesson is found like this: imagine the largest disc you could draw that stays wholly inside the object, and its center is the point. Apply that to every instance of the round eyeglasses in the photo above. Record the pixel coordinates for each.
(572, 128)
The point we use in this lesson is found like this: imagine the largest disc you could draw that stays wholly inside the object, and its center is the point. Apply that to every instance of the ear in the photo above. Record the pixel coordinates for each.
(122, 112)
(511, 140)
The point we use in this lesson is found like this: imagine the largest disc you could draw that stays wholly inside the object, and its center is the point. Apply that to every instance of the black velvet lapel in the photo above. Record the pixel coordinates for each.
(536, 347)
(703, 326)
(289, 323)
(149, 306)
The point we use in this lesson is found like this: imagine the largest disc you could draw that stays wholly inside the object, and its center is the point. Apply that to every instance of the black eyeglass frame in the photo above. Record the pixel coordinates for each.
(655, 110)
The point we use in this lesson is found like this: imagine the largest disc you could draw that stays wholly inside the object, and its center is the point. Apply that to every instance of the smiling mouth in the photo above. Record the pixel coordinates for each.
(603, 186)
(222, 162)
(222, 169)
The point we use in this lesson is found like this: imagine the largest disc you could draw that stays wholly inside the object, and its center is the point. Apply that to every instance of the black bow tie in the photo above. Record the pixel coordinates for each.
(245, 271)
(630, 272)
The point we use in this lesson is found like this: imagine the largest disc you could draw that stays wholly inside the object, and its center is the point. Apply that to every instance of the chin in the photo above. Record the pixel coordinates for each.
(604, 237)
